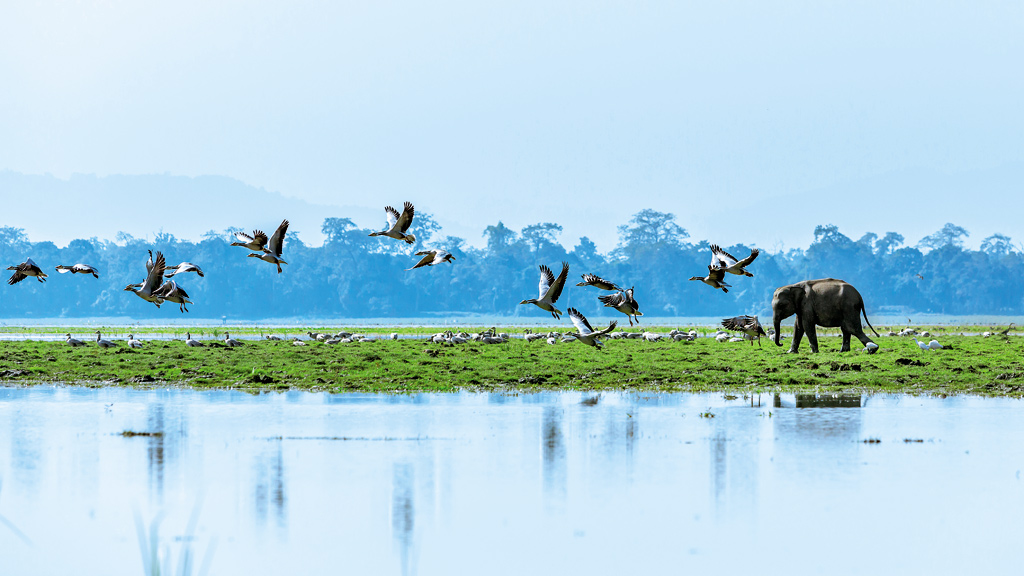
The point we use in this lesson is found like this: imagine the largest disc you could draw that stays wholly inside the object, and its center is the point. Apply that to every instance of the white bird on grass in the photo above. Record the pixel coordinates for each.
(189, 341)
(73, 341)
(133, 343)
(103, 343)
(229, 341)
(922, 345)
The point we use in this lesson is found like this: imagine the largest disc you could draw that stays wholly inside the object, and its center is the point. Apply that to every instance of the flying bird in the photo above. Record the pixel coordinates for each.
(722, 259)
(432, 258)
(154, 275)
(78, 269)
(24, 270)
(183, 268)
(550, 290)
(585, 333)
(398, 224)
(256, 242)
(597, 282)
(272, 253)
(715, 279)
(171, 292)
(623, 302)
(748, 325)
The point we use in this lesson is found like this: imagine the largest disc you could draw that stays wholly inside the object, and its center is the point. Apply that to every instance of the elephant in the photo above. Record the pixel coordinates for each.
(825, 302)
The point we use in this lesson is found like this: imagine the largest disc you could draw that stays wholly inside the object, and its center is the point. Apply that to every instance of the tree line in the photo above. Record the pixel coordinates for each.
(355, 276)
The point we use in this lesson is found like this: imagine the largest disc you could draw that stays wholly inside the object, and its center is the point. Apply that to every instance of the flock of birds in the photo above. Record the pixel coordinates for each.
(159, 285)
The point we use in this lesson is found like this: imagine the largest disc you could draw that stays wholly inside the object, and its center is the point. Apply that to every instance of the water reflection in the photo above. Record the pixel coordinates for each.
(269, 492)
(403, 515)
(442, 484)
(553, 455)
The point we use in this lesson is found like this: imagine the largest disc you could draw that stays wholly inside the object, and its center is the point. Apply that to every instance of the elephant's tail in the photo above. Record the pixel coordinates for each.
(865, 313)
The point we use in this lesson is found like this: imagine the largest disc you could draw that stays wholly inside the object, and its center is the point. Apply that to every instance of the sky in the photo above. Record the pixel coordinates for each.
(752, 122)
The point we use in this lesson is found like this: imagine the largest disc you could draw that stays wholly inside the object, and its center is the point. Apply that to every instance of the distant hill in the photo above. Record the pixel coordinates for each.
(83, 206)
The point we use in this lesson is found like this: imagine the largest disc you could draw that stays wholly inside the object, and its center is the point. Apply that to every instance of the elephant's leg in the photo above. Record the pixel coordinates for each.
(846, 340)
(798, 333)
(856, 329)
(812, 337)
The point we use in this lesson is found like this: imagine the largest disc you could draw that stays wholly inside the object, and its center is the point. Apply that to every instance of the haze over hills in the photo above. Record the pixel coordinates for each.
(913, 203)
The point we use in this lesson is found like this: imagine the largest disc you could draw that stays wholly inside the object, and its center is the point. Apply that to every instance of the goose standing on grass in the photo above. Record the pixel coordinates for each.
(154, 275)
(584, 332)
(78, 269)
(73, 341)
(272, 253)
(229, 341)
(598, 282)
(103, 343)
(256, 242)
(183, 268)
(749, 325)
(171, 292)
(24, 270)
(133, 343)
(715, 279)
(722, 259)
(432, 258)
(550, 290)
(190, 342)
(623, 302)
(398, 224)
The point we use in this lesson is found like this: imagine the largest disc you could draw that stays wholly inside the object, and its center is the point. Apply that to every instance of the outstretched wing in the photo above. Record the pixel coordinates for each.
(393, 216)
(405, 220)
(716, 274)
(425, 261)
(547, 278)
(155, 275)
(556, 289)
(580, 321)
(737, 323)
(276, 245)
(726, 260)
(19, 274)
(746, 261)
(597, 282)
(613, 300)
(245, 238)
(608, 330)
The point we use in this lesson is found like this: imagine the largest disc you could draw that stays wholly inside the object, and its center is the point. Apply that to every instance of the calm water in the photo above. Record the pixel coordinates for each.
(303, 483)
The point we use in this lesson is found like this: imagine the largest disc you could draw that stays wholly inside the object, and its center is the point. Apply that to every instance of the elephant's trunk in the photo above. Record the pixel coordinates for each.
(778, 331)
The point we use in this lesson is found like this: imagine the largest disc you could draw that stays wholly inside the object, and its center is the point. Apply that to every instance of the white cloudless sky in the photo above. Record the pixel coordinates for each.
(580, 113)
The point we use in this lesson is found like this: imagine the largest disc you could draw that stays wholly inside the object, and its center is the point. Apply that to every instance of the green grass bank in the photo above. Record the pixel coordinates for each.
(975, 365)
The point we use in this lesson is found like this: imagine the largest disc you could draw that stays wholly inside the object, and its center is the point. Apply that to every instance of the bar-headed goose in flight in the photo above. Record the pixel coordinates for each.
(256, 242)
(584, 332)
(715, 279)
(597, 282)
(154, 276)
(272, 253)
(432, 258)
(24, 270)
(171, 292)
(722, 259)
(78, 269)
(623, 302)
(103, 343)
(550, 290)
(183, 268)
(749, 325)
(398, 224)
